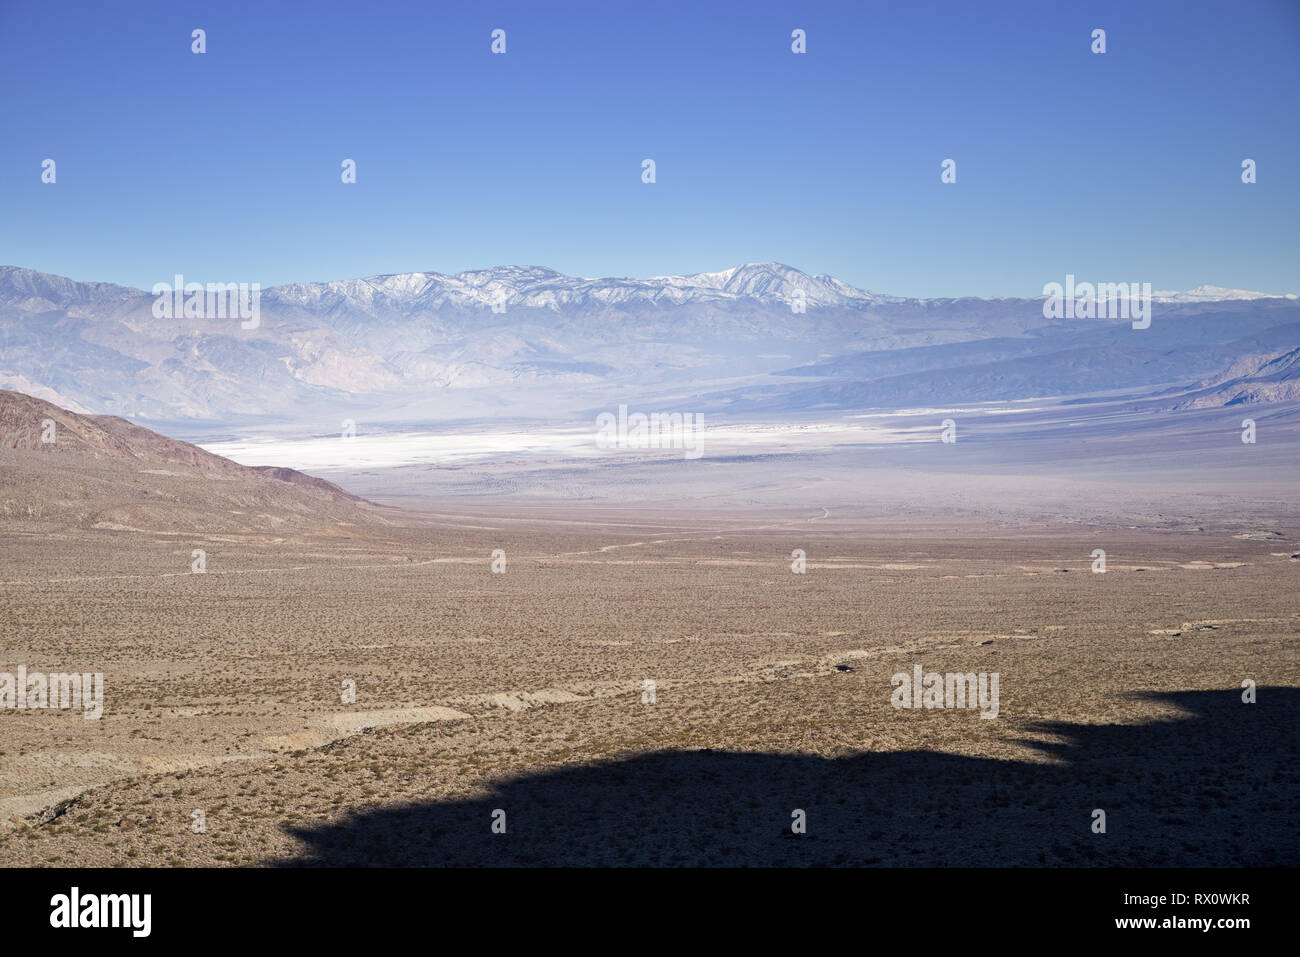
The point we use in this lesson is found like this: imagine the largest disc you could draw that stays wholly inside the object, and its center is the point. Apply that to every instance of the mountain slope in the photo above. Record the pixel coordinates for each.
(1251, 381)
(63, 468)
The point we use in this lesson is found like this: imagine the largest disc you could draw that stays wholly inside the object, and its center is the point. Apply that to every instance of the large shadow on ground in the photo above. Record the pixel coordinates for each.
(1218, 788)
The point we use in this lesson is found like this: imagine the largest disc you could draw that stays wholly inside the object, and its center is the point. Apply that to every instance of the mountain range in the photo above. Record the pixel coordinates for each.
(526, 341)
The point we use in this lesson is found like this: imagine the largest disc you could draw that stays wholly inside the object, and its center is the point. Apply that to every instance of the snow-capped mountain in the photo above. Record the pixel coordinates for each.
(534, 287)
(1214, 294)
(537, 287)
(527, 340)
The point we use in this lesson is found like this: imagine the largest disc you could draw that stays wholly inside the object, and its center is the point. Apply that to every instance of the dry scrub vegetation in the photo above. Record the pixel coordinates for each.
(522, 691)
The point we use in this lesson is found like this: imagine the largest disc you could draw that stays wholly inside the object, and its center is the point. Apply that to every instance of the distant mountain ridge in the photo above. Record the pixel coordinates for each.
(540, 286)
(529, 341)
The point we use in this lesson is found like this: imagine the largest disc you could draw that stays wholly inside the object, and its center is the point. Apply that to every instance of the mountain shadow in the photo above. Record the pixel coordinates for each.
(1217, 788)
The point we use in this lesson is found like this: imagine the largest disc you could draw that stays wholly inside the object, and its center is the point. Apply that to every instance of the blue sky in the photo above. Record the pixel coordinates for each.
(225, 167)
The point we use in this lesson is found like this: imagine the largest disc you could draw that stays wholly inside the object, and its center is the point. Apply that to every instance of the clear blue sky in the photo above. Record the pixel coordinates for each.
(1116, 167)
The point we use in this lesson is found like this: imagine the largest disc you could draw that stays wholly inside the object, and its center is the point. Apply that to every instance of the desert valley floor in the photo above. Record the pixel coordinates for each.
(523, 691)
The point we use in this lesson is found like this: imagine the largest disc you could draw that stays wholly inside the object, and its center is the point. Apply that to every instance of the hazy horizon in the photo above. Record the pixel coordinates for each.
(1126, 165)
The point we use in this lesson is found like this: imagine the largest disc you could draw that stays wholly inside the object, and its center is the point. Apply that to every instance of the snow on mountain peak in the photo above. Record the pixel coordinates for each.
(1207, 293)
(535, 287)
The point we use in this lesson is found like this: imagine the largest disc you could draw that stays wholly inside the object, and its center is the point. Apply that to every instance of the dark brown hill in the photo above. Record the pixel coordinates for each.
(102, 471)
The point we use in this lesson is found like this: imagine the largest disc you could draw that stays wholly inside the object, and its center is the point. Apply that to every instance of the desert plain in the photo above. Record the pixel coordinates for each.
(645, 679)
